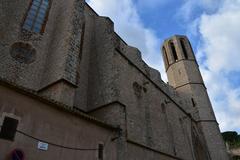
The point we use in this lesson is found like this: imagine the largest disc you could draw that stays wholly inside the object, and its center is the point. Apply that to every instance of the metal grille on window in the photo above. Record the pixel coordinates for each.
(36, 15)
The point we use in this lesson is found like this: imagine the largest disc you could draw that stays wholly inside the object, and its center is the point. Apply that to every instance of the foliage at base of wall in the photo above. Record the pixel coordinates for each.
(236, 158)
(232, 138)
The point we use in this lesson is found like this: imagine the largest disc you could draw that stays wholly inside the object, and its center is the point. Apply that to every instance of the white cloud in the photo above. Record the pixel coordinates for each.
(151, 4)
(130, 27)
(221, 36)
(225, 99)
(189, 7)
(220, 39)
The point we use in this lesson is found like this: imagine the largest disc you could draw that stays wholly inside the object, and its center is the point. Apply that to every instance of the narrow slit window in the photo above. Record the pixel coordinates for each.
(163, 108)
(193, 102)
(100, 151)
(9, 128)
(36, 16)
(184, 48)
(173, 51)
(165, 56)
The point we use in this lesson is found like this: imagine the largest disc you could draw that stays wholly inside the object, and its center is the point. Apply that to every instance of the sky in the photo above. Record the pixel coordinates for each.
(212, 27)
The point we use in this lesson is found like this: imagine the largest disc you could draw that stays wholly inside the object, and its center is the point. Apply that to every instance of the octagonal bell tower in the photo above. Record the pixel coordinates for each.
(184, 75)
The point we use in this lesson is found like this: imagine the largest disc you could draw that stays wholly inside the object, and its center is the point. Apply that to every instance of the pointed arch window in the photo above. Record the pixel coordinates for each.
(184, 49)
(165, 56)
(36, 17)
(174, 52)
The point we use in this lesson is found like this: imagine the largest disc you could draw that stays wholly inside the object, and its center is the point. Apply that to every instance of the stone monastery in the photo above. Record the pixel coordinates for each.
(71, 88)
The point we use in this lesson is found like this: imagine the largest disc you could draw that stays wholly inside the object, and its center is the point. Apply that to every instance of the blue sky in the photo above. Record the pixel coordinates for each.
(213, 29)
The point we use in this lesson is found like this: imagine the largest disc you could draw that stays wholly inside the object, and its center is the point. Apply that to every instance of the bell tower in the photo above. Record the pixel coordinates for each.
(184, 75)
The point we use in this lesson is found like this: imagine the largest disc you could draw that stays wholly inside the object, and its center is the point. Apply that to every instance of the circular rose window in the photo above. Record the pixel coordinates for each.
(23, 52)
(17, 154)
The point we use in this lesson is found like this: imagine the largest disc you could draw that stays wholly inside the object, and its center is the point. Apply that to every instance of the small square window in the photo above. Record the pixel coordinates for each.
(9, 128)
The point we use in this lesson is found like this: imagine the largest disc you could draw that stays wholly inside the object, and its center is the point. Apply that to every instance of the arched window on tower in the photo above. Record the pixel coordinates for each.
(182, 42)
(174, 52)
(35, 19)
(165, 56)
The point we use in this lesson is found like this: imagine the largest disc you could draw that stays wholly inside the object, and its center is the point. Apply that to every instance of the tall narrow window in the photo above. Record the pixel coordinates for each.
(173, 51)
(165, 56)
(8, 129)
(193, 102)
(100, 151)
(36, 16)
(184, 48)
(163, 108)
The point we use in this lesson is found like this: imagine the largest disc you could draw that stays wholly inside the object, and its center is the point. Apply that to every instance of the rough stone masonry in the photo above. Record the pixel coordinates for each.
(71, 88)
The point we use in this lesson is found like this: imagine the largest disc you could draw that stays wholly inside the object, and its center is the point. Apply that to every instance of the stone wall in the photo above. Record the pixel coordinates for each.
(65, 132)
(80, 62)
